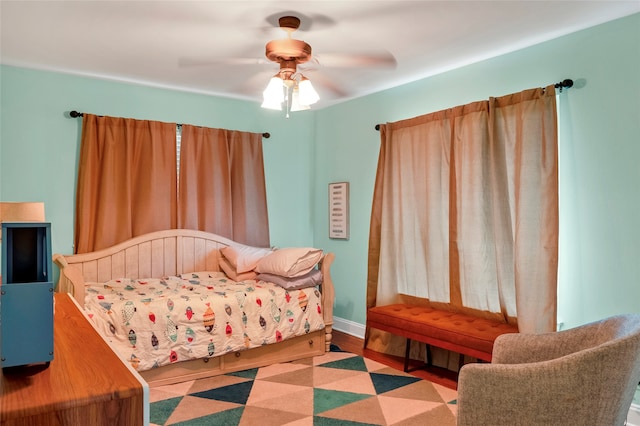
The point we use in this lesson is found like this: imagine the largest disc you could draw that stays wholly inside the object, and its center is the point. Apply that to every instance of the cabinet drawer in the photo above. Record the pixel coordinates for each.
(306, 346)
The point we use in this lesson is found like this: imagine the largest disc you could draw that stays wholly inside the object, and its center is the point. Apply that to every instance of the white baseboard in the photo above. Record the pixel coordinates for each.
(633, 419)
(349, 327)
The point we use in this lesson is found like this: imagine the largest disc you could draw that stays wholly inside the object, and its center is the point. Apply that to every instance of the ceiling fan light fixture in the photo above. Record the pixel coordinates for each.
(289, 87)
(307, 94)
(273, 95)
(272, 105)
(295, 101)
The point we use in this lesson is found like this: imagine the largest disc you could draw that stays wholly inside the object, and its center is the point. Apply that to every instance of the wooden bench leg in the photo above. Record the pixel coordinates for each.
(407, 350)
(406, 355)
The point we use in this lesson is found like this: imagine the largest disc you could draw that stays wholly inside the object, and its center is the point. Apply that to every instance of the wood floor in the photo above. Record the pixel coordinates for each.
(355, 345)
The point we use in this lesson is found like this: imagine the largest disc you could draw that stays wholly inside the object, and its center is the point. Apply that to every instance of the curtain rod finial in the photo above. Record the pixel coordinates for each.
(567, 83)
(564, 83)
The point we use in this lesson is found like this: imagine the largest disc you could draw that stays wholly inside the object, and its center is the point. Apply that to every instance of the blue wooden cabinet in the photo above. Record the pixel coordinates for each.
(26, 294)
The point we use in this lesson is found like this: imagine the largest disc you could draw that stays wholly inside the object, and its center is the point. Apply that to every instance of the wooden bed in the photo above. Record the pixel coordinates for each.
(177, 251)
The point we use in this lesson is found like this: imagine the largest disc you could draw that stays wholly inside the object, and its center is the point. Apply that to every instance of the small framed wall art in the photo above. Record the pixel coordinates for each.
(339, 210)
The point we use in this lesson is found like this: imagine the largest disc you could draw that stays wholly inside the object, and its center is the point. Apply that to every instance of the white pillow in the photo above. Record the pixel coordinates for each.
(289, 262)
(244, 258)
(230, 271)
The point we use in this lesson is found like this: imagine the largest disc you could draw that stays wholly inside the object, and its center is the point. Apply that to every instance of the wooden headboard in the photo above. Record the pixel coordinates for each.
(157, 254)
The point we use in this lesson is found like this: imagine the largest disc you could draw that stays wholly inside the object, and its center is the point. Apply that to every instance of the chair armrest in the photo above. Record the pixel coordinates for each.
(518, 348)
(514, 395)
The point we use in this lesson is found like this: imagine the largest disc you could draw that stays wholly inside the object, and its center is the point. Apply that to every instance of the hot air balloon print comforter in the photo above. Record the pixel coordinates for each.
(155, 322)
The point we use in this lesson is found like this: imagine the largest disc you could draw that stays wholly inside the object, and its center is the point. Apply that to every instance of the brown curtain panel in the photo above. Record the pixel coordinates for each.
(222, 186)
(126, 180)
(465, 212)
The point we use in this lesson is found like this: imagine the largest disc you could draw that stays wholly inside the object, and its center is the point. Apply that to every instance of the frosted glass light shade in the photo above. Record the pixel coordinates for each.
(272, 105)
(308, 95)
(295, 101)
(273, 95)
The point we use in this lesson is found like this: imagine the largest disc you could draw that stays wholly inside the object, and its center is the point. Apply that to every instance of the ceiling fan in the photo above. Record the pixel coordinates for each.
(289, 87)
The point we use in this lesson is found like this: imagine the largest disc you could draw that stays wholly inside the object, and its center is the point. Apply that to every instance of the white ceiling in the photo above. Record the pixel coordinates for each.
(148, 41)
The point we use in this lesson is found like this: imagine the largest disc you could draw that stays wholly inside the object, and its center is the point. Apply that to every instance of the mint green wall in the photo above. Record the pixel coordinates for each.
(599, 177)
(599, 153)
(39, 144)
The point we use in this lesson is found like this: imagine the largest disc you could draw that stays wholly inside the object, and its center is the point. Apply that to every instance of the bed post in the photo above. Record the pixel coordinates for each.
(71, 279)
(328, 295)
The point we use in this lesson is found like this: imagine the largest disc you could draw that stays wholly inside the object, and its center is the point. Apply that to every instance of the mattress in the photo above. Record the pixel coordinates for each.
(158, 321)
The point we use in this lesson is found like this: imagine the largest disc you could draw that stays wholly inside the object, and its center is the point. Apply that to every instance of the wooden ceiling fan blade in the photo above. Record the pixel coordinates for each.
(321, 82)
(381, 59)
(218, 61)
(255, 84)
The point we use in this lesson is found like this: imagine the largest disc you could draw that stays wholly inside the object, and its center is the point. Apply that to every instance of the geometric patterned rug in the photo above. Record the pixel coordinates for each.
(338, 388)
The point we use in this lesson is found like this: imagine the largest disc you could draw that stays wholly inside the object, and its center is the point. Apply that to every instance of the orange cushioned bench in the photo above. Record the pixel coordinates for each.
(461, 333)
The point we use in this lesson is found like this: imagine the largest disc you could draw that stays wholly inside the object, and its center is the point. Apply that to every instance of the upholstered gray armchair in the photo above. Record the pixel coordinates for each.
(581, 376)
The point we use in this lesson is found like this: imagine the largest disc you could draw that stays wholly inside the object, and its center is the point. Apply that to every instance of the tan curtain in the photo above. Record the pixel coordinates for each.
(465, 211)
(126, 180)
(222, 186)
(525, 140)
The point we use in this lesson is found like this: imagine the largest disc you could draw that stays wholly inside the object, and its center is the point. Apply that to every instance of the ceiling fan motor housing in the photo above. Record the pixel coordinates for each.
(288, 50)
(289, 23)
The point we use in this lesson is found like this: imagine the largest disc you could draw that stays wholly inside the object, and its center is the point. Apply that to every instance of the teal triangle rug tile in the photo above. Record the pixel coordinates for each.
(238, 393)
(324, 400)
(326, 421)
(160, 411)
(245, 374)
(228, 417)
(354, 363)
(335, 348)
(387, 382)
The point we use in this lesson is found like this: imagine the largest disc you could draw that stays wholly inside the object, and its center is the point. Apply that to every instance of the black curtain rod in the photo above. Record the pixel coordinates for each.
(75, 114)
(559, 85)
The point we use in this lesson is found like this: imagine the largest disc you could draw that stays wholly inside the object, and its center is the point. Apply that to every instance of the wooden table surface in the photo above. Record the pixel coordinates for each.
(85, 384)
